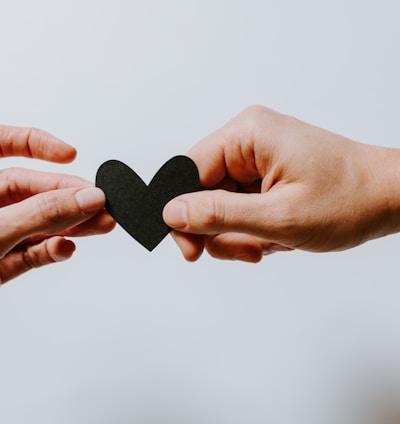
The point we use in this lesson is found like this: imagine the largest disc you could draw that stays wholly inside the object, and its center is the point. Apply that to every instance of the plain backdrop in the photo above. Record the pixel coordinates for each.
(119, 335)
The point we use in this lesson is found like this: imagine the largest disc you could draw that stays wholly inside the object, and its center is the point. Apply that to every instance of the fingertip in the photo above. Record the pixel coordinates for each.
(27, 256)
(175, 214)
(107, 222)
(253, 258)
(56, 150)
(90, 199)
(191, 245)
(67, 154)
(101, 223)
(270, 247)
(43, 145)
(60, 249)
(236, 247)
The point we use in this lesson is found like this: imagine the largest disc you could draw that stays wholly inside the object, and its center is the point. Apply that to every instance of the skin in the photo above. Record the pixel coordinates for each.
(273, 183)
(38, 209)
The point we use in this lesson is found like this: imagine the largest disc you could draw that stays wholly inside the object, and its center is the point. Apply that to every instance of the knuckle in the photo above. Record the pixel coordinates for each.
(10, 178)
(33, 136)
(7, 181)
(35, 258)
(252, 118)
(9, 174)
(212, 210)
(30, 260)
(255, 111)
(29, 134)
(50, 209)
(253, 115)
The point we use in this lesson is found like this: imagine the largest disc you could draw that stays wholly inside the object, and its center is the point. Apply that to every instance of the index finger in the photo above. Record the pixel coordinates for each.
(228, 152)
(34, 143)
(17, 184)
(208, 155)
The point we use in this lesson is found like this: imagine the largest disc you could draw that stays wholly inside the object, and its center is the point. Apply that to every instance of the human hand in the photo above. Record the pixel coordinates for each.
(274, 183)
(39, 209)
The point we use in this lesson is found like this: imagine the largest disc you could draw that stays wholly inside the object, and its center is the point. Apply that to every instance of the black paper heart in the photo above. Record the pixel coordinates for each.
(138, 207)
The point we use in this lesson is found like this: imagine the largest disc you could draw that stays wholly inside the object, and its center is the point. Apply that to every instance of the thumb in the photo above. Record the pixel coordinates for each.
(47, 213)
(220, 211)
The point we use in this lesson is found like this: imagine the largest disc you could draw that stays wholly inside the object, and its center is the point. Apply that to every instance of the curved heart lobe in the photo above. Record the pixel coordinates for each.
(138, 207)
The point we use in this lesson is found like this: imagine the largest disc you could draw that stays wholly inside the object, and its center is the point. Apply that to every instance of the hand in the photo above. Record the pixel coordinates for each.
(274, 183)
(39, 209)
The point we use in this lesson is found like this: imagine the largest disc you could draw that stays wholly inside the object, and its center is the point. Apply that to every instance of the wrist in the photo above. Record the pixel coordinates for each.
(383, 167)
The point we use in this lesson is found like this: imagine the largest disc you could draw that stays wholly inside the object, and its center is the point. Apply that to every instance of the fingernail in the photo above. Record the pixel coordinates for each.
(175, 214)
(242, 258)
(246, 258)
(274, 248)
(90, 199)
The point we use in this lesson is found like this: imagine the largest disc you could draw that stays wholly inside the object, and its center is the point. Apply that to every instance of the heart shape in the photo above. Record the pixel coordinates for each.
(138, 207)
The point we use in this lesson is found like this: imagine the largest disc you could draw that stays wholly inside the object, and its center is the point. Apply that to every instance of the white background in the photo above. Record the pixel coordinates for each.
(118, 335)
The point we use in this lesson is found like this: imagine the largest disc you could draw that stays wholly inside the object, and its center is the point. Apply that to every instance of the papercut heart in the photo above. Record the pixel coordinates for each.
(138, 207)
